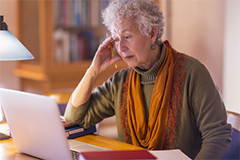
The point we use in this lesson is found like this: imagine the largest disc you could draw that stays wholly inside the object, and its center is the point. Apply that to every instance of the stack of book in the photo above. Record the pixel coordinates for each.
(74, 130)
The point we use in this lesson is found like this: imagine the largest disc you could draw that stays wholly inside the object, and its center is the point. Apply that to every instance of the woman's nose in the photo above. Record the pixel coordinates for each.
(122, 47)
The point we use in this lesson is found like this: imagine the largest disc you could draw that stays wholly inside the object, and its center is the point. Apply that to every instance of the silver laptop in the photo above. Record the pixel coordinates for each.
(36, 127)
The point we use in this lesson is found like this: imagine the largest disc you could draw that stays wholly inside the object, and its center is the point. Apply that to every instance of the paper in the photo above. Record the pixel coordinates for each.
(170, 154)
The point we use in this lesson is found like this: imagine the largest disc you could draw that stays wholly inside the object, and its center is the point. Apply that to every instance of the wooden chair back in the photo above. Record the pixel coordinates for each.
(234, 149)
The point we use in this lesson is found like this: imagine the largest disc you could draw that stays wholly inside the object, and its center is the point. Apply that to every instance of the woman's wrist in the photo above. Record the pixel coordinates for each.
(93, 73)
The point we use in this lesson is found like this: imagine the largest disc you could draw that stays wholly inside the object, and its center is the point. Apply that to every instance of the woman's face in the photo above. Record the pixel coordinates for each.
(132, 46)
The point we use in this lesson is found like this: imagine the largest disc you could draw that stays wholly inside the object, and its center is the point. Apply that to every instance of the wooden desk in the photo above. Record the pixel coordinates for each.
(9, 152)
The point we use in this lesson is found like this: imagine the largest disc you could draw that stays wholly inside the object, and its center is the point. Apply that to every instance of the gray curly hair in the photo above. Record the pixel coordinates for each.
(145, 13)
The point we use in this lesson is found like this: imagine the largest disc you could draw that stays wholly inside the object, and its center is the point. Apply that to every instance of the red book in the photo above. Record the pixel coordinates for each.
(117, 155)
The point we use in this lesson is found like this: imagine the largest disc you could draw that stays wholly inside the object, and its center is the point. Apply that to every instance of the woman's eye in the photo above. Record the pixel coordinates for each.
(127, 37)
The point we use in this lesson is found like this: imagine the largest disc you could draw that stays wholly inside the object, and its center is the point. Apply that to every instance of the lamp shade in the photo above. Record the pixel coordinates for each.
(11, 49)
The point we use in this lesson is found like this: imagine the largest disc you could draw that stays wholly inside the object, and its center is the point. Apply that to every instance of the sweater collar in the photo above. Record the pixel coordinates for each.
(149, 77)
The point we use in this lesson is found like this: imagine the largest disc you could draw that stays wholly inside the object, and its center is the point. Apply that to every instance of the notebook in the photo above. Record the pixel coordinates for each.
(36, 127)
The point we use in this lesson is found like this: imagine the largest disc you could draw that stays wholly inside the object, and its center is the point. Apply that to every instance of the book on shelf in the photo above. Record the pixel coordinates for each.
(79, 13)
(114, 155)
(62, 46)
(71, 47)
(74, 130)
(77, 24)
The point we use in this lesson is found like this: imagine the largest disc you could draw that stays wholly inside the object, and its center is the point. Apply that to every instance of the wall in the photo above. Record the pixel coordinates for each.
(8, 8)
(197, 30)
(231, 85)
(209, 30)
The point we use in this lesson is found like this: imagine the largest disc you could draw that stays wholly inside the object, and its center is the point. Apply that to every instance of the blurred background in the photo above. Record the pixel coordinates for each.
(208, 30)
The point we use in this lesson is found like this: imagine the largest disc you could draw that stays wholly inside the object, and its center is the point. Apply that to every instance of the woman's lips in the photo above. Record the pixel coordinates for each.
(128, 57)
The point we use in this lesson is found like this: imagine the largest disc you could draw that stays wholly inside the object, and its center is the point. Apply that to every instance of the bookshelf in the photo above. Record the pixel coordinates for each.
(53, 30)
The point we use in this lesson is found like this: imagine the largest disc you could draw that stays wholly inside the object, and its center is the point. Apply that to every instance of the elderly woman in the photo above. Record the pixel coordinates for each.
(164, 100)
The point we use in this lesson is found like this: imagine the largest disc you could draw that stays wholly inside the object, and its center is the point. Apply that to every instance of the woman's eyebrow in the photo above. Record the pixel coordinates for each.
(124, 30)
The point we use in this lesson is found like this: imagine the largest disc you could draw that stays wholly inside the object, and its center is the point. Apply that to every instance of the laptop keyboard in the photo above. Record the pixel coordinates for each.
(74, 155)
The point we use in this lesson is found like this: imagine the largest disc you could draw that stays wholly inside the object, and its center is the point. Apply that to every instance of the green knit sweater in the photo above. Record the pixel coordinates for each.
(197, 116)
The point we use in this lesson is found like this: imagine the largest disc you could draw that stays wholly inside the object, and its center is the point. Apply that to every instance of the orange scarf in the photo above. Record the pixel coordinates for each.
(151, 135)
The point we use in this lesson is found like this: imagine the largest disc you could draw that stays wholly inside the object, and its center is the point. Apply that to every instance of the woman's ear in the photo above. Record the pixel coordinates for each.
(153, 34)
